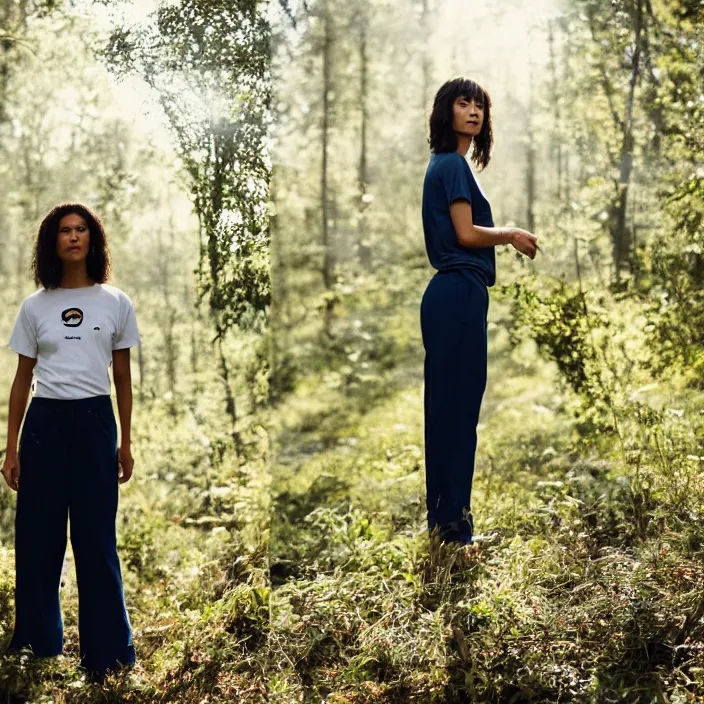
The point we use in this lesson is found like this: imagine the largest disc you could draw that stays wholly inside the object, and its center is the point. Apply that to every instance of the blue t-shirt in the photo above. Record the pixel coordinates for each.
(448, 179)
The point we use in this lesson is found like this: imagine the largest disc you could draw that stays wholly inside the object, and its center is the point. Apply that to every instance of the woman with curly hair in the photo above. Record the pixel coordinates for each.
(460, 238)
(68, 466)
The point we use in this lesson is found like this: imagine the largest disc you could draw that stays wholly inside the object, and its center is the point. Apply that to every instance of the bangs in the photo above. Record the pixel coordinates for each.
(469, 90)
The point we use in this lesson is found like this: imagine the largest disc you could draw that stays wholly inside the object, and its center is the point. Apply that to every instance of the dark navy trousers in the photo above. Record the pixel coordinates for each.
(69, 472)
(453, 316)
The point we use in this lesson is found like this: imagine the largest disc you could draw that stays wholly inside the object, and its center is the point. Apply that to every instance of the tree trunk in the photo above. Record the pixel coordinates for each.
(277, 329)
(194, 347)
(565, 161)
(327, 268)
(230, 405)
(364, 251)
(556, 142)
(530, 164)
(210, 221)
(169, 342)
(167, 314)
(621, 239)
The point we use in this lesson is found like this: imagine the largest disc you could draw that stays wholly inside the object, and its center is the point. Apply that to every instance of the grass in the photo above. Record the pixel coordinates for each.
(586, 589)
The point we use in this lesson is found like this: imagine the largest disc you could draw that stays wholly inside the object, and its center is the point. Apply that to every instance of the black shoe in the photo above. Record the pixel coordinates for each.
(98, 676)
(456, 532)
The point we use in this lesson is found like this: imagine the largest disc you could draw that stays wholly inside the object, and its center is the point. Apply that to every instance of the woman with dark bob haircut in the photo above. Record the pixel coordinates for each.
(459, 238)
(66, 335)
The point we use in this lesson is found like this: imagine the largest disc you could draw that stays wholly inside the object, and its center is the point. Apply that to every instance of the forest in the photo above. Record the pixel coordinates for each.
(587, 585)
(259, 169)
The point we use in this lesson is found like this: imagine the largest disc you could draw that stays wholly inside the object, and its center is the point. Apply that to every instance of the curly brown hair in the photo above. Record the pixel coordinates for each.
(47, 267)
(442, 136)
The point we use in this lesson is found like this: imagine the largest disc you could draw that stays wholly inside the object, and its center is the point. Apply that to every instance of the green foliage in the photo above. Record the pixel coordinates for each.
(136, 545)
(208, 62)
(676, 269)
(257, 375)
(282, 377)
(561, 325)
(673, 260)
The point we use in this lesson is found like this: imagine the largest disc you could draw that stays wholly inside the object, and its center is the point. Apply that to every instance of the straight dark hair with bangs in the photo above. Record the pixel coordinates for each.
(442, 136)
(46, 265)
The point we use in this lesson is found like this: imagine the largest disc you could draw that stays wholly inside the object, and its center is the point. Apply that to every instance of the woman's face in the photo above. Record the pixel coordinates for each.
(467, 116)
(73, 239)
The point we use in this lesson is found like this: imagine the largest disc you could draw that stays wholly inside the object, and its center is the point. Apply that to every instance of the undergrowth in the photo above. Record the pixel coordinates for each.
(585, 584)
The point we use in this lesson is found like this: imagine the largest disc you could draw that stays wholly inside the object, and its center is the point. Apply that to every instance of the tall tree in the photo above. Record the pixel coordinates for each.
(556, 133)
(208, 61)
(363, 248)
(632, 19)
(530, 160)
(328, 262)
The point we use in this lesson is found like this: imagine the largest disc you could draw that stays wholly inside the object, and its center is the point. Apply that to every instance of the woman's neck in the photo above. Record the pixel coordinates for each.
(75, 277)
(463, 143)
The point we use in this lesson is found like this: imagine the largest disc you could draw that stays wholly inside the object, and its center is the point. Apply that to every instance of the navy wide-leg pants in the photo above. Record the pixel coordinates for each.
(69, 471)
(453, 315)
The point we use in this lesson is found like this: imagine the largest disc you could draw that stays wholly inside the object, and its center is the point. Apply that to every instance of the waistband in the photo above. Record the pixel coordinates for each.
(101, 401)
(476, 275)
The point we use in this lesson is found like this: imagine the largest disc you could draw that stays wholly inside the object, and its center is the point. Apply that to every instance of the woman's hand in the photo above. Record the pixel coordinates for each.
(11, 470)
(525, 242)
(125, 463)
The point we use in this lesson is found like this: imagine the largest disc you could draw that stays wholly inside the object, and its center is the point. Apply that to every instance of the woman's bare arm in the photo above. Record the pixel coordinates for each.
(19, 393)
(471, 235)
(122, 377)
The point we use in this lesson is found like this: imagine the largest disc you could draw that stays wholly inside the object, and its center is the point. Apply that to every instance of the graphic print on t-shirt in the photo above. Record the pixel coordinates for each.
(72, 317)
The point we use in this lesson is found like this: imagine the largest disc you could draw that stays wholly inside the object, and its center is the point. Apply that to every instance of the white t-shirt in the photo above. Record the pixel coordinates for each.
(71, 332)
